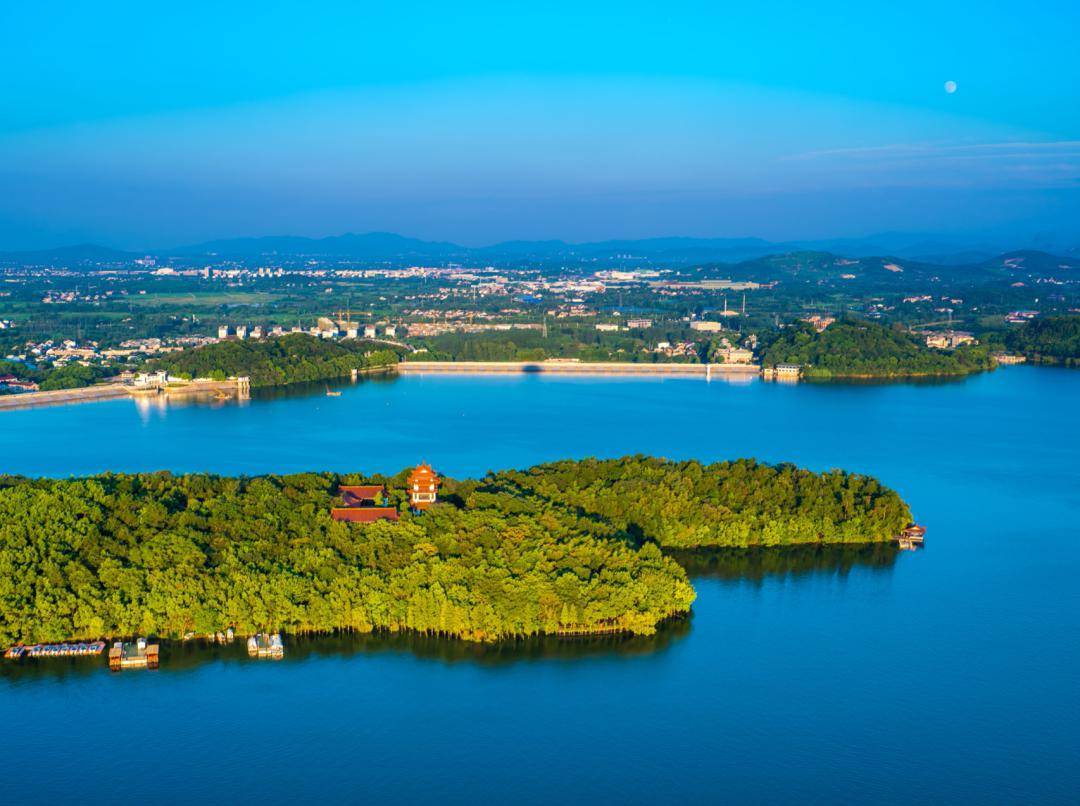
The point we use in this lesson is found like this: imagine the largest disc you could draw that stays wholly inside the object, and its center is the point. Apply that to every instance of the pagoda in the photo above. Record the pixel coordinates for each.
(423, 486)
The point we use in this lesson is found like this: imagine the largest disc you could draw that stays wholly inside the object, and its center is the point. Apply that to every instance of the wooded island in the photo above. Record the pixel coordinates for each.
(569, 546)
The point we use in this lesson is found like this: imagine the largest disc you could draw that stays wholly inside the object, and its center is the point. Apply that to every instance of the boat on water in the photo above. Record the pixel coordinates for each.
(332, 392)
(55, 650)
(265, 645)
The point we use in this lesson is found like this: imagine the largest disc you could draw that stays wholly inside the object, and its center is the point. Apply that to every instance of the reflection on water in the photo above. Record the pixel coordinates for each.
(913, 380)
(180, 656)
(313, 388)
(753, 565)
(756, 564)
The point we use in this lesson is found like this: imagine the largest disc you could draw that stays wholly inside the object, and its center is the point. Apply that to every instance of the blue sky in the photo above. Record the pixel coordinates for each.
(142, 126)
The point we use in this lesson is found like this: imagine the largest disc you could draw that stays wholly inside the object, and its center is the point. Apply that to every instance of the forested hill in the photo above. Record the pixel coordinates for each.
(1054, 340)
(272, 362)
(562, 546)
(851, 348)
(730, 504)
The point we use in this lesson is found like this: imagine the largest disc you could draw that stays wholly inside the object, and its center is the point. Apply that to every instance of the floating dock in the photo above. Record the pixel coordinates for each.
(264, 645)
(133, 655)
(912, 537)
(68, 650)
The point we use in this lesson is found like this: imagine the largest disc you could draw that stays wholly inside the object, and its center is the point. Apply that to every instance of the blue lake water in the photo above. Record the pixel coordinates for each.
(948, 674)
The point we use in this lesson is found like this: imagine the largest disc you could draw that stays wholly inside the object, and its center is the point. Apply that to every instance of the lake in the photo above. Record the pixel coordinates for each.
(947, 674)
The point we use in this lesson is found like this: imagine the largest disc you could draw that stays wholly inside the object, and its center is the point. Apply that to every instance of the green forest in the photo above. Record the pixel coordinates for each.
(564, 546)
(858, 349)
(1053, 340)
(292, 358)
(69, 376)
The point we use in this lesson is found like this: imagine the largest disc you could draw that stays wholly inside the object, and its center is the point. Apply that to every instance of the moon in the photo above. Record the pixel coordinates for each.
(950, 87)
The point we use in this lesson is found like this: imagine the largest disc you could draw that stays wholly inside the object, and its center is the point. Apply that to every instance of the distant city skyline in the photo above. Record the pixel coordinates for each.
(145, 128)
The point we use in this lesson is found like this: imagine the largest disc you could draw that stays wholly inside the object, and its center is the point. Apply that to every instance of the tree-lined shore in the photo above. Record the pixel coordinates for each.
(293, 358)
(566, 546)
(862, 349)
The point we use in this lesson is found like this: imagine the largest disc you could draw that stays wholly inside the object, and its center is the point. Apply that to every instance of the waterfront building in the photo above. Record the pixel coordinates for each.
(1008, 358)
(423, 486)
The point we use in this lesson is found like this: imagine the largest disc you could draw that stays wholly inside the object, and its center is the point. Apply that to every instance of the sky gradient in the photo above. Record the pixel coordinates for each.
(140, 126)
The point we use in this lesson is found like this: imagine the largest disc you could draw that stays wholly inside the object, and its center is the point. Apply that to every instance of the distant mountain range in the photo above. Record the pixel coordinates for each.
(384, 247)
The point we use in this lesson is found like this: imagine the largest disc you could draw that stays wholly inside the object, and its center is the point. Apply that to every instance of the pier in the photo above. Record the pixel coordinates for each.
(266, 646)
(66, 650)
(133, 655)
(912, 537)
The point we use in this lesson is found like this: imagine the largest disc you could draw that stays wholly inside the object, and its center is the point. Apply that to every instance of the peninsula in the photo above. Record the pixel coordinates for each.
(574, 546)
(863, 349)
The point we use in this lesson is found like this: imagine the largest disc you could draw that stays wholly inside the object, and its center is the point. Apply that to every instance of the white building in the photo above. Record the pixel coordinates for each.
(706, 326)
(369, 331)
(223, 332)
(241, 331)
(391, 331)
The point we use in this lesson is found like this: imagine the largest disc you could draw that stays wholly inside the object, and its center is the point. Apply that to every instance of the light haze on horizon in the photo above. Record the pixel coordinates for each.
(148, 127)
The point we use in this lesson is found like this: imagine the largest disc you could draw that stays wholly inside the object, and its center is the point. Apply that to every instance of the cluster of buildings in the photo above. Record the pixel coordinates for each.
(819, 322)
(325, 328)
(66, 297)
(1019, 317)
(420, 329)
(13, 384)
(949, 339)
(369, 503)
(679, 349)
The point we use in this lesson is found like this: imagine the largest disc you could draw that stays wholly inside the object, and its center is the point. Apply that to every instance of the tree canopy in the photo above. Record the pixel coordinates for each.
(1053, 340)
(850, 348)
(564, 546)
(272, 362)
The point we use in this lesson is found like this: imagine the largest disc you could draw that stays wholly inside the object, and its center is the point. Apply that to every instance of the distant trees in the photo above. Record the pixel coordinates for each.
(850, 348)
(273, 362)
(1053, 340)
(569, 545)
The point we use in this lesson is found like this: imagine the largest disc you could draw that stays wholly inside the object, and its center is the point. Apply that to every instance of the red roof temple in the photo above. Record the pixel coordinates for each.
(363, 504)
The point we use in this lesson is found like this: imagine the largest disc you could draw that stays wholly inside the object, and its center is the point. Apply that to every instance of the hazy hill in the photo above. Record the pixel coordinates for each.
(366, 246)
(80, 253)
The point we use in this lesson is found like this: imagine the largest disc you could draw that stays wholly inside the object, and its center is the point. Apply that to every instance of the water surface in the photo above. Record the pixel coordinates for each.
(828, 675)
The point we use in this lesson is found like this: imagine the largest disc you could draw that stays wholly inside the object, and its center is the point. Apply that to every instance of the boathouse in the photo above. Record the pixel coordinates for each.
(363, 504)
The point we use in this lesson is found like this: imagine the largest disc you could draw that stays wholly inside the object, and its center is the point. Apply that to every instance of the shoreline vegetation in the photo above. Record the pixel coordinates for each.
(292, 358)
(850, 349)
(1053, 341)
(573, 547)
